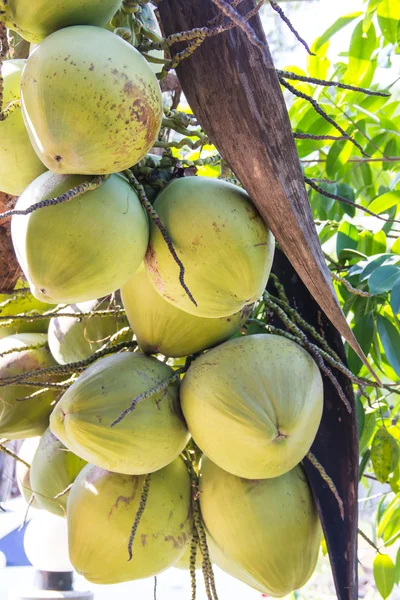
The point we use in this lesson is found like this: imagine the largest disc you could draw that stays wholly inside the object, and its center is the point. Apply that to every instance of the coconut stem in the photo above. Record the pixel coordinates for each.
(142, 506)
(286, 20)
(24, 348)
(82, 188)
(156, 220)
(9, 452)
(192, 563)
(160, 387)
(329, 83)
(6, 320)
(328, 480)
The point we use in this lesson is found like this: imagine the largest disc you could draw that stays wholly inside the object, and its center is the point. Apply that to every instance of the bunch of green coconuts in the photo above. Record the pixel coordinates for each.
(90, 106)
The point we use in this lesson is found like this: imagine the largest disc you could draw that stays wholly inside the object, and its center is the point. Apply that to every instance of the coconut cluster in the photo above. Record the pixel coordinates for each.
(110, 451)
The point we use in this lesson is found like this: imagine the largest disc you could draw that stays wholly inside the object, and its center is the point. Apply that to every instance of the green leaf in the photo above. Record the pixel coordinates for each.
(384, 202)
(384, 454)
(384, 574)
(396, 247)
(388, 17)
(395, 298)
(398, 567)
(390, 339)
(374, 262)
(389, 523)
(372, 243)
(383, 279)
(364, 333)
(347, 238)
(337, 158)
(361, 47)
(369, 430)
(337, 26)
(360, 415)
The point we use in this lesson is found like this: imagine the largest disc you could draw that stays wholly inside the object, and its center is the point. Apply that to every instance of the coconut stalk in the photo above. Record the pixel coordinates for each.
(234, 91)
(336, 444)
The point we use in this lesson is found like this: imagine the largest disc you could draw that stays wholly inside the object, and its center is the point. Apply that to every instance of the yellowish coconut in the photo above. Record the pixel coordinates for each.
(19, 164)
(254, 404)
(101, 511)
(22, 472)
(221, 239)
(146, 439)
(264, 532)
(107, 94)
(21, 418)
(161, 327)
(54, 468)
(74, 339)
(36, 20)
(82, 249)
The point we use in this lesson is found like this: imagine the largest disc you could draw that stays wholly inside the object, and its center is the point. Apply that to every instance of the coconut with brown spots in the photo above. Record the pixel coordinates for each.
(91, 103)
(264, 532)
(82, 249)
(161, 327)
(222, 241)
(19, 417)
(101, 510)
(35, 20)
(254, 404)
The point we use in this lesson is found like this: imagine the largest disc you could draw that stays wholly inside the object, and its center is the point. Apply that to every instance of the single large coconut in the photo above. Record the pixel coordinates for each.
(53, 469)
(101, 510)
(161, 327)
(254, 404)
(36, 20)
(265, 532)
(82, 249)
(19, 417)
(19, 164)
(22, 471)
(107, 94)
(74, 339)
(147, 439)
(222, 241)
(15, 304)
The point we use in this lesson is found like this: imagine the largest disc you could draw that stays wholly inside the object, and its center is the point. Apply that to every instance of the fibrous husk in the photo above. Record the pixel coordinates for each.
(254, 404)
(222, 241)
(101, 511)
(21, 418)
(107, 94)
(82, 249)
(265, 532)
(162, 327)
(147, 439)
(53, 469)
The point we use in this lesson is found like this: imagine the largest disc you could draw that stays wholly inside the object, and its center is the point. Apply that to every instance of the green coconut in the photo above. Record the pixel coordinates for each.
(254, 404)
(74, 339)
(19, 164)
(36, 20)
(21, 418)
(147, 439)
(101, 510)
(22, 472)
(54, 468)
(107, 94)
(82, 249)
(161, 327)
(223, 242)
(15, 304)
(265, 532)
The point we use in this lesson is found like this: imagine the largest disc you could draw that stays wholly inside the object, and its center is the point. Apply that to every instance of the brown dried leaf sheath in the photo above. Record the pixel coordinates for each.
(10, 270)
(237, 99)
